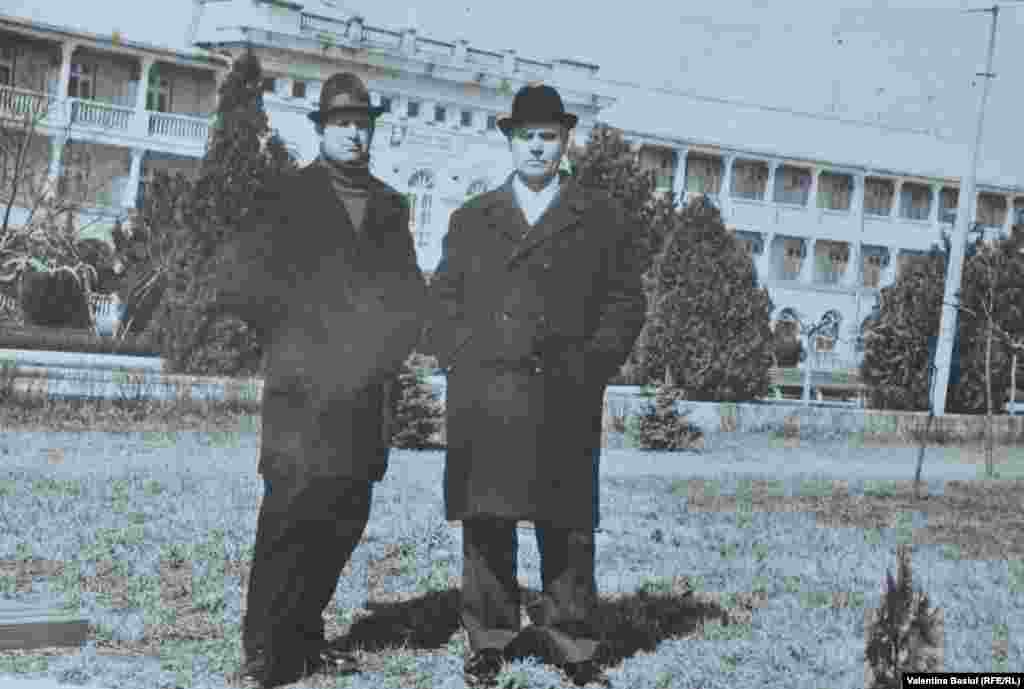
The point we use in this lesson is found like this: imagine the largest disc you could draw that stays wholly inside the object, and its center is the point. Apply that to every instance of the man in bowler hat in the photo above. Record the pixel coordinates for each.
(538, 302)
(326, 272)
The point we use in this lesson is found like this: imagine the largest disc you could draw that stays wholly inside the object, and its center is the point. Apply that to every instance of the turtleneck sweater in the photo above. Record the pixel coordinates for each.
(351, 183)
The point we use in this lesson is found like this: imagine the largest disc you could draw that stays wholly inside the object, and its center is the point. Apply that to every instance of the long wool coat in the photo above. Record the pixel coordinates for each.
(524, 435)
(338, 313)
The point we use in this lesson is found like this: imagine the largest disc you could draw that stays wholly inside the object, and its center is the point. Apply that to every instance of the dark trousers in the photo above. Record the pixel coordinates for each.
(306, 533)
(563, 629)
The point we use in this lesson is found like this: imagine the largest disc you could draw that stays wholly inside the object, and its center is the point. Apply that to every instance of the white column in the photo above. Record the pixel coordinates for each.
(812, 201)
(807, 267)
(769, 193)
(679, 178)
(286, 86)
(853, 272)
(897, 191)
(857, 193)
(888, 276)
(140, 115)
(131, 197)
(56, 166)
(427, 111)
(725, 193)
(1008, 220)
(63, 84)
(764, 261)
(933, 209)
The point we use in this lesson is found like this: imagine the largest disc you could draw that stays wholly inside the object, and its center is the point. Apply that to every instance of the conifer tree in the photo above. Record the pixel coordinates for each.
(708, 326)
(243, 162)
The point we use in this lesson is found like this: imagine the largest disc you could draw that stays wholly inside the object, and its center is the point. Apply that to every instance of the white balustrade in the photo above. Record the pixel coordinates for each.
(169, 125)
(17, 103)
(95, 113)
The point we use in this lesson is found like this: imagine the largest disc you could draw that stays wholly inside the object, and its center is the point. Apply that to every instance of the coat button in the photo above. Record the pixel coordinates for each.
(547, 266)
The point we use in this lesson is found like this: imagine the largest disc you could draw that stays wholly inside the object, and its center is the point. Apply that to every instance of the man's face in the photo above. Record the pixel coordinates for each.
(538, 149)
(346, 137)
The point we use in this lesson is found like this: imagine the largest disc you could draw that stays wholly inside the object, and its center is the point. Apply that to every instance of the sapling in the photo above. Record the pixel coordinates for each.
(905, 634)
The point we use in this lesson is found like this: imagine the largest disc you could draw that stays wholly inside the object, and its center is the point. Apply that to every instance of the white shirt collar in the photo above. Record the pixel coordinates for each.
(534, 203)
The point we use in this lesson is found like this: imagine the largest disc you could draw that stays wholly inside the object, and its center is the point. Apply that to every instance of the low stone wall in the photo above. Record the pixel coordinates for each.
(882, 425)
(621, 403)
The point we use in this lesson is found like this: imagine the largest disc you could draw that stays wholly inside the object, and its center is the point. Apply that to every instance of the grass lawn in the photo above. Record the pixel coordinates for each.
(723, 581)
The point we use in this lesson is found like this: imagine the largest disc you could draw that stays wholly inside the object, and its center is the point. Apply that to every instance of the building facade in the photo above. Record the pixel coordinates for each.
(826, 230)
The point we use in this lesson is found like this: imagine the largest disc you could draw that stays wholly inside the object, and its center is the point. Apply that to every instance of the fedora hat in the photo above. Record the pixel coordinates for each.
(344, 91)
(536, 103)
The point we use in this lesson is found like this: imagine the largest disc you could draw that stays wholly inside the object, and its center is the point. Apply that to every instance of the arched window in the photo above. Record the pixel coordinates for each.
(421, 185)
(477, 187)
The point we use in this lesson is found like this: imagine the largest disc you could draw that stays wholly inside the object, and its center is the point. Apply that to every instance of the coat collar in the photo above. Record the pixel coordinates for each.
(565, 211)
(381, 204)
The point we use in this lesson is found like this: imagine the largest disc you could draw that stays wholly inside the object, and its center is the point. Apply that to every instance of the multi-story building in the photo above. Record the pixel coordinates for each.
(829, 209)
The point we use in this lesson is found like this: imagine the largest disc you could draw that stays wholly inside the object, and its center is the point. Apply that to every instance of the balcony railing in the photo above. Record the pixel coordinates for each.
(752, 195)
(178, 126)
(831, 277)
(19, 103)
(94, 113)
(916, 212)
(796, 197)
(947, 216)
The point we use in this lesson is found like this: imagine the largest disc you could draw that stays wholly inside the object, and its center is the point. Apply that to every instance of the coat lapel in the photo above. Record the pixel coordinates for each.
(381, 206)
(506, 217)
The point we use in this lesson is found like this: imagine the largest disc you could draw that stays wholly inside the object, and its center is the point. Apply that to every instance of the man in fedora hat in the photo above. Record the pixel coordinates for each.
(538, 303)
(327, 274)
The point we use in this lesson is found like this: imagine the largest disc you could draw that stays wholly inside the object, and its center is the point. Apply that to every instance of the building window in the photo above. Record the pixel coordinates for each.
(914, 202)
(872, 270)
(792, 259)
(6, 65)
(385, 103)
(878, 196)
(440, 114)
(796, 184)
(949, 200)
(158, 96)
(467, 118)
(703, 175)
(1018, 212)
(477, 187)
(298, 89)
(991, 210)
(834, 191)
(824, 344)
(749, 180)
(492, 122)
(832, 261)
(269, 85)
(81, 84)
(412, 109)
(421, 185)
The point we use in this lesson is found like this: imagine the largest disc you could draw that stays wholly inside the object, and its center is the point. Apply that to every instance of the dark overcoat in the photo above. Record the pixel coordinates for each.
(532, 323)
(337, 312)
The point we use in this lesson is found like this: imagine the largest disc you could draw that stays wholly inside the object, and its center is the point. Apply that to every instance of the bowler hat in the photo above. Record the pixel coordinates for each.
(344, 91)
(536, 104)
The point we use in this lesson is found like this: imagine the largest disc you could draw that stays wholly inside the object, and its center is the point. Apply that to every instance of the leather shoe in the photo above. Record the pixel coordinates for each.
(337, 660)
(250, 676)
(483, 666)
(585, 672)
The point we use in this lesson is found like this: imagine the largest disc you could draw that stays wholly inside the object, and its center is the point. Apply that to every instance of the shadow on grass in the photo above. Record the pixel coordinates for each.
(626, 624)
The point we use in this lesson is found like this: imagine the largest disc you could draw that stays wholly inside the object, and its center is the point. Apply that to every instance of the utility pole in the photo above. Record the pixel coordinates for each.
(964, 215)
